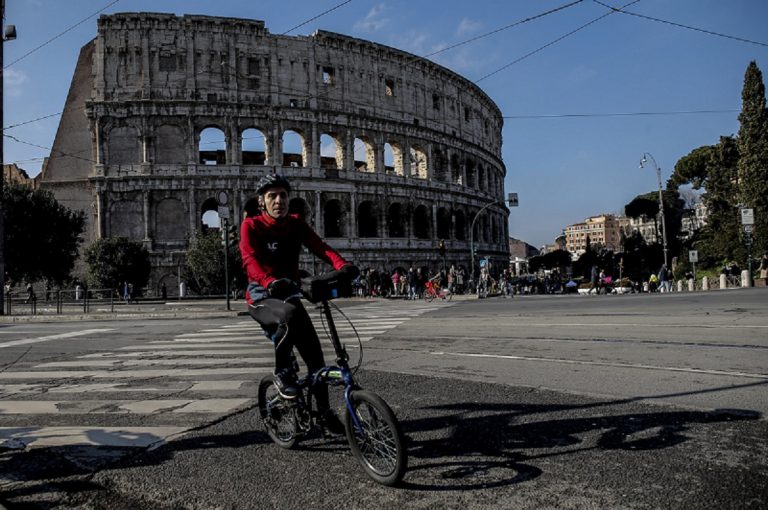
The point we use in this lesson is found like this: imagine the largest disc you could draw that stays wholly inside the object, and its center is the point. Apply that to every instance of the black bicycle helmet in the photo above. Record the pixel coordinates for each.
(272, 181)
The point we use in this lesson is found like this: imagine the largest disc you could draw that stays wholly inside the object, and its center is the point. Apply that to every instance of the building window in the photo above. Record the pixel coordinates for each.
(436, 102)
(389, 87)
(328, 75)
(167, 62)
(466, 114)
(253, 66)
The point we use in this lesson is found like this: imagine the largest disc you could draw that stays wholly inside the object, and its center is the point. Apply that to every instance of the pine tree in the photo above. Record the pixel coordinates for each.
(753, 154)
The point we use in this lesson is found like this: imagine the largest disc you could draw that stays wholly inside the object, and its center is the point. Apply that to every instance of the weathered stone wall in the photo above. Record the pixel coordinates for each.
(394, 152)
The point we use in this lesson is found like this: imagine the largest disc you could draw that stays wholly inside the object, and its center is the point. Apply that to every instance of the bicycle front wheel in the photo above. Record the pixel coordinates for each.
(278, 416)
(378, 443)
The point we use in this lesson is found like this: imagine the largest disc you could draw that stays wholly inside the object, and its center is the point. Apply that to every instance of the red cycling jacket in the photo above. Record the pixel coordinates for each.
(270, 248)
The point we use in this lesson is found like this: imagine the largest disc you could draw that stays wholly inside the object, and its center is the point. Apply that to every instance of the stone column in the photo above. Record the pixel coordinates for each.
(192, 212)
(314, 149)
(100, 219)
(146, 69)
(319, 220)
(146, 194)
(349, 152)
(353, 215)
(378, 154)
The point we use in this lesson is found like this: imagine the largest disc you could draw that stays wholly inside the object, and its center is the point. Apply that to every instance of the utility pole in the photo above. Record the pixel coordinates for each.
(512, 201)
(9, 33)
(661, 205)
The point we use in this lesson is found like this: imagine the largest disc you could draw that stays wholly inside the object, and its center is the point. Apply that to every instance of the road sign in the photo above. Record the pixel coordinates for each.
(223, 213)
(748, 228)
(693, 256)
(512, 199)
(747, 217)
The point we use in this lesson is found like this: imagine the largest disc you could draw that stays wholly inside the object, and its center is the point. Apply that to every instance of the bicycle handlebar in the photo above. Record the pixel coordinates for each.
(331, 285)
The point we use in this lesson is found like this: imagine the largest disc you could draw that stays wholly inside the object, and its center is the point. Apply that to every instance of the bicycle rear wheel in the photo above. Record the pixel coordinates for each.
(378, 444)
(277, 415)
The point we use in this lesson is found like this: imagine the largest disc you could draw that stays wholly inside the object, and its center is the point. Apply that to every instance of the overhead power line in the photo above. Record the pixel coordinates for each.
(616, 114)
(496, 31)
(316, 17)
(62, 33)
(529, 54)
(680, 25)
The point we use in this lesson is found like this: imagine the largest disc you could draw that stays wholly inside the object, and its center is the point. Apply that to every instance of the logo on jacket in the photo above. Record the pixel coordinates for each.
(272, 246)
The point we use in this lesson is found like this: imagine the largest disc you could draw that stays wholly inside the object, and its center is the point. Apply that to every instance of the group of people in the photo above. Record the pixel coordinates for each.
(410, 283)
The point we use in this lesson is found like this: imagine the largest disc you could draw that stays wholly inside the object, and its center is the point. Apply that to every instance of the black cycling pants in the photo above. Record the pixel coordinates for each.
(288, 324)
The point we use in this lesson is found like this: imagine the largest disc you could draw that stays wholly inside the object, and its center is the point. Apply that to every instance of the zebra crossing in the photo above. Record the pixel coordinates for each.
(146, 394)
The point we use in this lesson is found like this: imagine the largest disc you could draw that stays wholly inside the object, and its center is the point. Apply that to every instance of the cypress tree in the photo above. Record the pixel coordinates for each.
(753, 155)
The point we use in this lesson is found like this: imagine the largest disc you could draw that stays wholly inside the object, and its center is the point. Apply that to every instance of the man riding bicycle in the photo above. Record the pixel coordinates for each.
(270, 244)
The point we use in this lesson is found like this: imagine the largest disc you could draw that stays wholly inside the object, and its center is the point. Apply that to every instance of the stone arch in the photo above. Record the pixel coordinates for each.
(334, 219)
(440, 165)
(209, 215)
(298, 205)
(126, 219)
(123, 146)
(170, 145)
(471, 177)
(396, 220)
(364, 149)
(456, 170)
(422, 224)
(331, 151)
(443, 223)
(212, 147)
(253, 146)
(419, 162)
(171, 220)
(460, 225)
(294, 148)
(393, 158)
(367, 219)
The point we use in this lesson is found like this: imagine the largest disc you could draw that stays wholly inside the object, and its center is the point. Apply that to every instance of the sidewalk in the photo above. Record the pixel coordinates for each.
(202, 308)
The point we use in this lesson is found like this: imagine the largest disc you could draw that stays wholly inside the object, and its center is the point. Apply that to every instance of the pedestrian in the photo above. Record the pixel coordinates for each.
(31, 297)
(412, 283)
(593, 279)
(396, 283)
(764, 266)
(664, 284)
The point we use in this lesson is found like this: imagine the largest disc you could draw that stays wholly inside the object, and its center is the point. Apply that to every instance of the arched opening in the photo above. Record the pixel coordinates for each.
(365, 160)
(126, 219)
(443, 223)
(396, 221)
(367, 220)
(331, 152)
(456, 170)
(171, 220)
(334, 219)
(252, 207)
(209, 217)
(421, 223)
(471, 181)
(396, 155)
(212, 149)
(389, 159)
(254, 147)
(170, 147)
(123, 146)
(494, 230)
(418, 162)
(440, 165)
(460, 229)
(294, 149)
(299, 206)
(481, 184)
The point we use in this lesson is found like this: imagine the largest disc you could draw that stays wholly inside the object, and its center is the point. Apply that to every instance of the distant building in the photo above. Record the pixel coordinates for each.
(521, 249)
(604, 230)
(693, 220)
(12, 174)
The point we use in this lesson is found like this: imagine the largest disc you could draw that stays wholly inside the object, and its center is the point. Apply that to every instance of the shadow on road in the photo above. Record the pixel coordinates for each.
(480, 445)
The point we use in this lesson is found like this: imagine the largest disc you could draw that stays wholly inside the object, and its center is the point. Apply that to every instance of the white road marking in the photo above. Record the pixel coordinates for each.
(132, 374)
(214, 405)
(150, 362)
(605, 364)
(48, 338)
(171, 386)
(649, 325)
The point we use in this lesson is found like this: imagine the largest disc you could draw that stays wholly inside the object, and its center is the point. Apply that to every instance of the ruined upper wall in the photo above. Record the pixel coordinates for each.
(163, 57)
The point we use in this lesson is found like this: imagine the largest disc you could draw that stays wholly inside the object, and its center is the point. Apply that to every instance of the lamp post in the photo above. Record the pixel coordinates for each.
(644, 160)
(511, 200)
(9, 33)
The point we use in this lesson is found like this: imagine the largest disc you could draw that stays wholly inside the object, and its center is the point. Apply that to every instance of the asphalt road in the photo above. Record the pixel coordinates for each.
(535, 402)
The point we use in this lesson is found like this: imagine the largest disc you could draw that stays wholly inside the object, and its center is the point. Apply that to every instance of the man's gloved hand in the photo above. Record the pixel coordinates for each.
(283, 288)
(351, 271)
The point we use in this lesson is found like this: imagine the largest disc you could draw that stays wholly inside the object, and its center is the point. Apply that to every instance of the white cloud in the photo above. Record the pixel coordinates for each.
(373, 21)
(14, 81)
(467, 26)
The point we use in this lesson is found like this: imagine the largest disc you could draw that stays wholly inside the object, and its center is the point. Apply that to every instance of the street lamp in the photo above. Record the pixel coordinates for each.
(511, 200)
(644, 160)
(9, 34)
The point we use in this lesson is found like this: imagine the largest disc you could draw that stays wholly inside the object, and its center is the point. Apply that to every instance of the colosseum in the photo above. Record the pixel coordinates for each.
(170, 118)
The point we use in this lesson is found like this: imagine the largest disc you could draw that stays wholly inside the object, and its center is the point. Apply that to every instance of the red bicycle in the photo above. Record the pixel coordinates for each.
(431, 292)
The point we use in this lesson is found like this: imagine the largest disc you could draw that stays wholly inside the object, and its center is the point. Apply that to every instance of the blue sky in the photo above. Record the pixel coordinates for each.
(563, 167)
